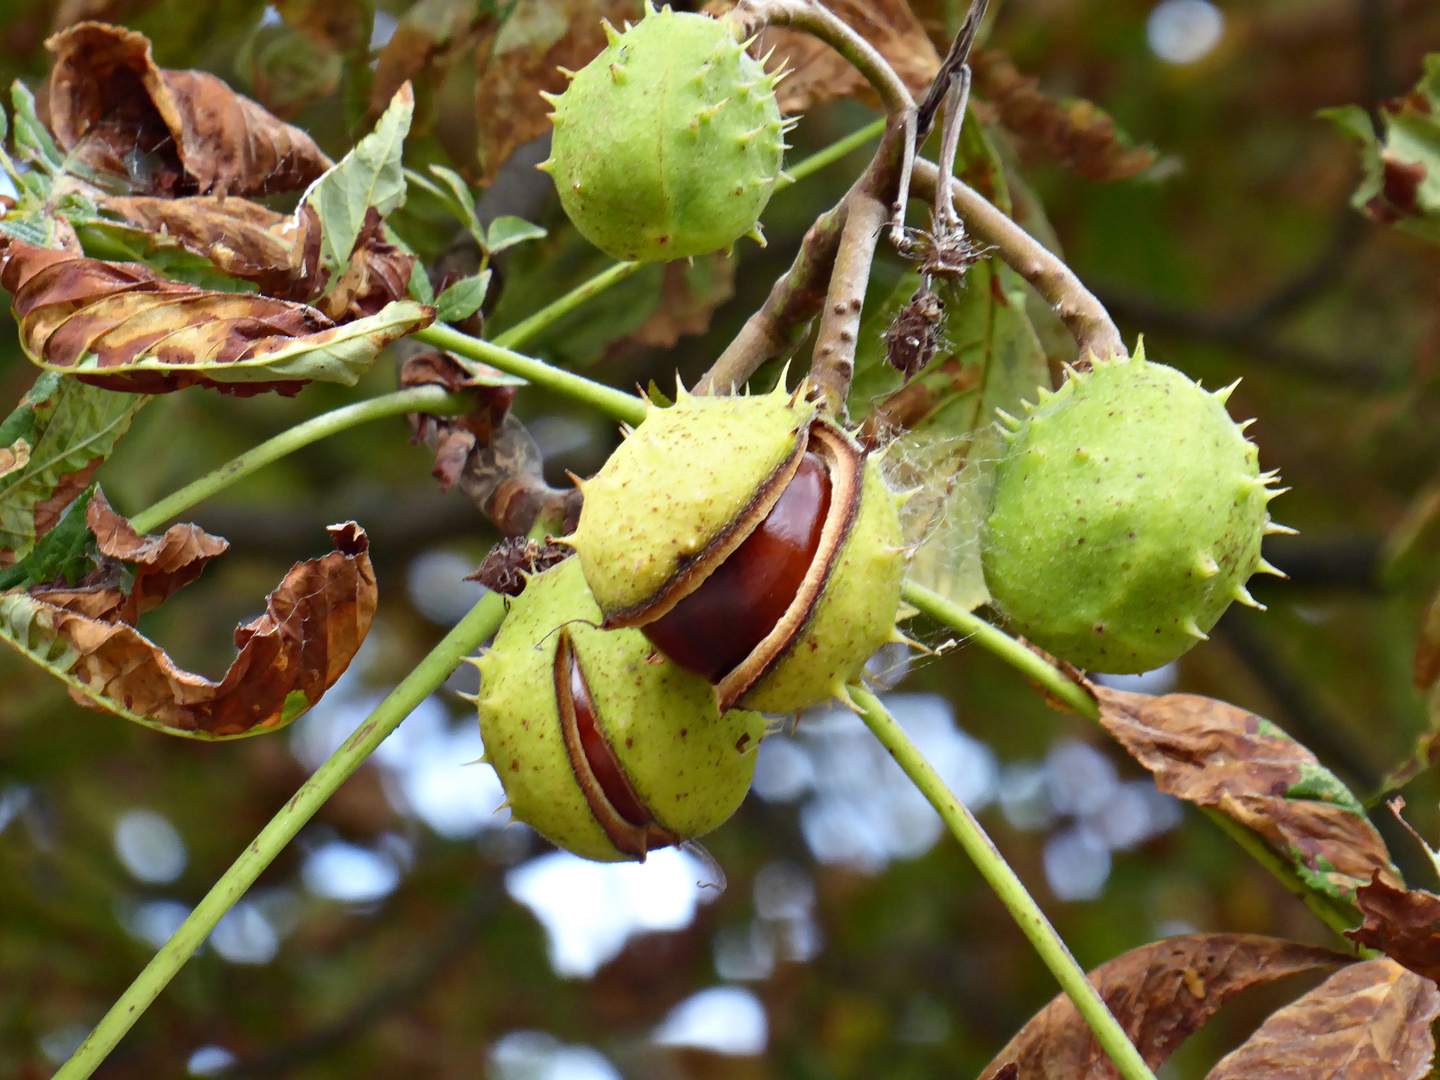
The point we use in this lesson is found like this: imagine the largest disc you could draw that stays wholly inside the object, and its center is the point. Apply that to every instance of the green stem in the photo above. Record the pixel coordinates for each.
(429, 399)
(994, 640)
(526, 329)
(834, 152)
(614, 403)
(460, 642)
(1007, 886)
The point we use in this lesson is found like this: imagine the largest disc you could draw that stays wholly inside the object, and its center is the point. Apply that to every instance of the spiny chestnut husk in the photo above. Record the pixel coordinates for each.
(753, 541)
(1127, 514)
(600, 748)
(669, 143)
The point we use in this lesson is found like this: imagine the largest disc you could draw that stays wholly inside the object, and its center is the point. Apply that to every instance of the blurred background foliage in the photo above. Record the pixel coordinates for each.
(407, 933)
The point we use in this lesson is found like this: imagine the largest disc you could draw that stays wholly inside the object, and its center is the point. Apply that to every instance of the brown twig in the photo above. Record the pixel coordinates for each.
(840, 246)
(1084, 316)
(781, 321)
(504, 479)
(833, 363)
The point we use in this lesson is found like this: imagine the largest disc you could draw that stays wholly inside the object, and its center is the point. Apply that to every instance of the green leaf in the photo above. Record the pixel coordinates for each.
(369, 175)
(459, 189)
(463, 298)
(66, 553)
(32, 138)
(70, 427)
(507, 231)
(339, 355)
(1401, 184)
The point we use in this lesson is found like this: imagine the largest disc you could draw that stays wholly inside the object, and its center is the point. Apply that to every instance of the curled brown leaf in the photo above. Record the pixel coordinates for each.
(1370, 1021)
(1077, 134)
(136, 573)
(523, 58)
(313, 625)
(122, 326)
(504, 477)
(1161, 993)
(278, 252)
(1215, 754)
(454, 437)
(170, 132)
(1402, 923)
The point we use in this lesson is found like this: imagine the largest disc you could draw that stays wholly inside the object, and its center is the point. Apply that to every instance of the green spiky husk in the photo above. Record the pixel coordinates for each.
(669, 143)
(855, 614)
(679, 754)
(676, 485)
(1126, 515)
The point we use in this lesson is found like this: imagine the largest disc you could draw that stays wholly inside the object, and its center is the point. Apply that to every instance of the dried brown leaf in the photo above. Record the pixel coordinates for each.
(690, 291)
(343, 25)
(1077, 134)
(431, 38)
(314, 623)
(1402, 923)
(1161, 993)
(377, 274)
(821, 74)
(1370, 1021)
(161, 564)
(1215, 754)
(170, 132)
(122, 326)
(523, 58)
(135, 573)
(454, 437)
(279, 252)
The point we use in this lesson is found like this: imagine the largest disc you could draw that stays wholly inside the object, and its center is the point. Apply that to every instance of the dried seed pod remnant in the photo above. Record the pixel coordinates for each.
(913, 337)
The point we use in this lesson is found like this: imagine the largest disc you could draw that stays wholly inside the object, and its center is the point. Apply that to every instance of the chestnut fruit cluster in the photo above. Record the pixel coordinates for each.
(753, 541)
(600, 748)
